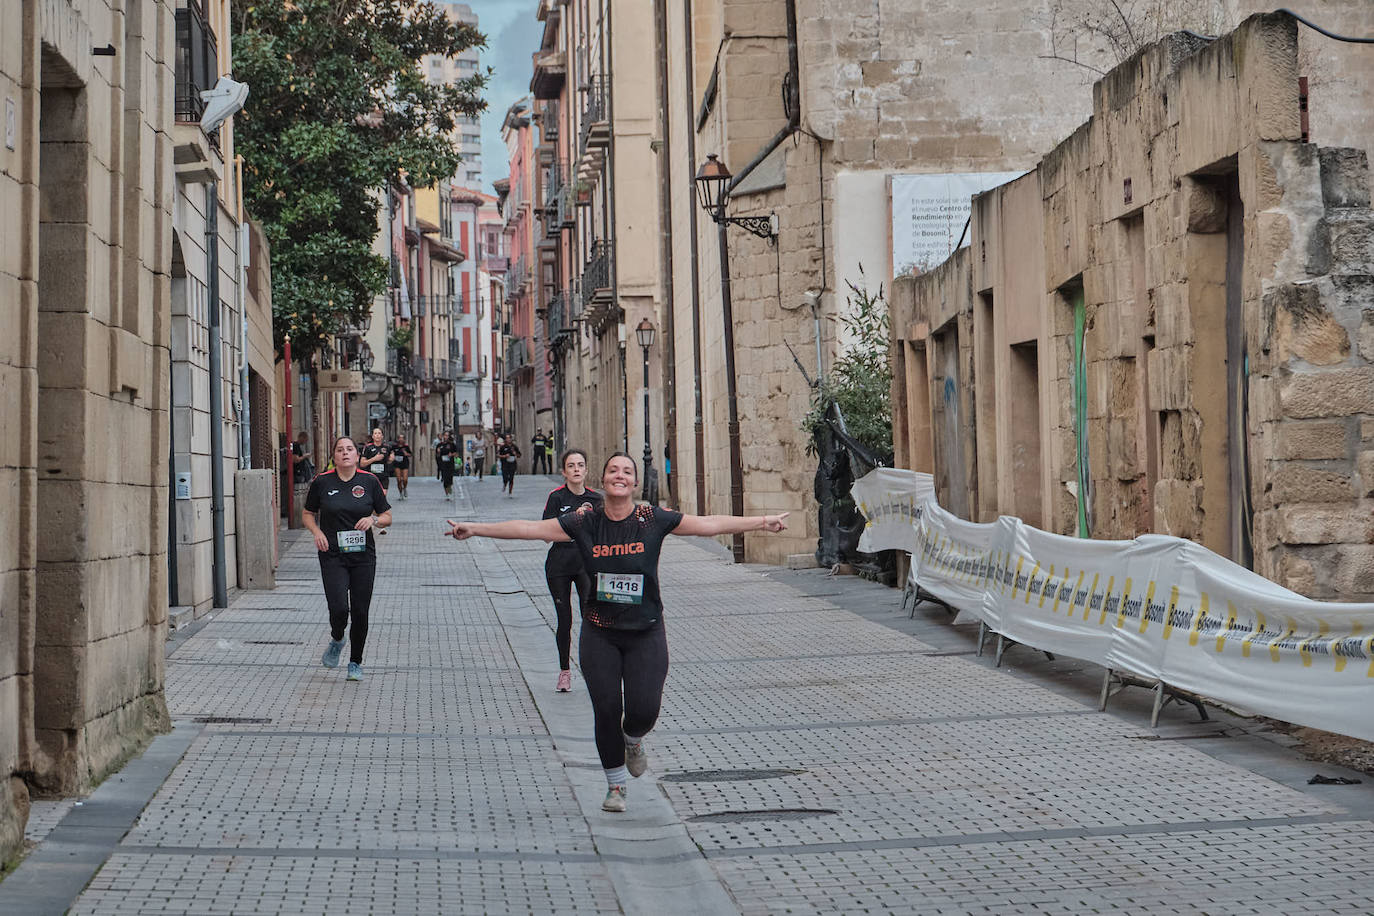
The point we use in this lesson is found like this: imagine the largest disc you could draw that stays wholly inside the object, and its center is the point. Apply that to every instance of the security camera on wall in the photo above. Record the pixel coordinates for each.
(222, 102)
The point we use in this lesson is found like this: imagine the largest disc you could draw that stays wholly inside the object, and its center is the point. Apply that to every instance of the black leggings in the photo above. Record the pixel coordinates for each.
(560, 587)
(348, 591)
(446, 475)
(629, 663)
(508, 474)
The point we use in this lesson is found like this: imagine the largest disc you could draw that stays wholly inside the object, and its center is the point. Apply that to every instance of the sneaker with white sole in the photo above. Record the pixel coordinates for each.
(355, 671)
(636, 761)
(330, 658)
(564, 681)
(615, 799)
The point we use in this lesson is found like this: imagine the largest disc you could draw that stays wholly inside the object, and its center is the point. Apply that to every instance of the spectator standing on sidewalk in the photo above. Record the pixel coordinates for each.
(623, 649)
(302, 468)
(539, 460)
(563, 566)
(342, 508)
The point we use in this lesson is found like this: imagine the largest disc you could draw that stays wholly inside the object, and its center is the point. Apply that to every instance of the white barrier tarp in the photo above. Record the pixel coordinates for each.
(1054, 592)
(1158, 607)
(892, 500)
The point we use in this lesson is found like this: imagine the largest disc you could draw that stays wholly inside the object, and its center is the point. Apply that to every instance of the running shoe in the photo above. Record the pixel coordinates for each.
(636, 761)
(355, 673)
(330, 658)
(615, 799)
(564, 681)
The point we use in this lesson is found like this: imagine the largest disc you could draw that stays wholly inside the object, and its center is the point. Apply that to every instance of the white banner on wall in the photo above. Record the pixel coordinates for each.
(928, 215)
(1158, 607)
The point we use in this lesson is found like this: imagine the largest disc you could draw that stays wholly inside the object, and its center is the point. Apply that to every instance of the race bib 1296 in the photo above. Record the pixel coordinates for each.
(352, 541)
(620, 588)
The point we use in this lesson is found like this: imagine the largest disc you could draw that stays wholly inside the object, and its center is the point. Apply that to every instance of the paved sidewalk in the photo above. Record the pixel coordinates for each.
(818, 753)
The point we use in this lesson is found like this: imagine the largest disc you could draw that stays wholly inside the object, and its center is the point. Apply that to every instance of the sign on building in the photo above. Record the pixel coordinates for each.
(340, 380)
(929, 213)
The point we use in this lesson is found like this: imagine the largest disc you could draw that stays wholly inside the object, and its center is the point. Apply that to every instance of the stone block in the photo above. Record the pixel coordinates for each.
(1297, 483)
(1354, 571)
(1364, 467)
(802, 561)
(1351, 234)
(1297, 574)
(61, 704)
(1330, 393)
(1366, 335)
(1345, 177)
(1326, 524)
(1310, 440)
(1303, 328)
(1171, 376)
(1178, 508)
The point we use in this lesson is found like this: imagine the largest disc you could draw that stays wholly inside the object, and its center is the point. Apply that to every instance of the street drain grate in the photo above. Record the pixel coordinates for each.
(766, 814)
(231, 720)
(727, 775)
(271, 642)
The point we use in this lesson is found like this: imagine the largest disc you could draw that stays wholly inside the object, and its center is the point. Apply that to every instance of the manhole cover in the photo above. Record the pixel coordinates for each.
(727, 775)
(766, 814)
(271, 642)
(231, 720)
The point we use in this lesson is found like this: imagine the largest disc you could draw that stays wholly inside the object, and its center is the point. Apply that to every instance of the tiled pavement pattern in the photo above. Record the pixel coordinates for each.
(452, 779)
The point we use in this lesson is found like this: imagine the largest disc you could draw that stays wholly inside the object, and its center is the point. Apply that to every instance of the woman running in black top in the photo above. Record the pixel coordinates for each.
(624, 648)
(342, 508)
(563, 567)
(401, 456)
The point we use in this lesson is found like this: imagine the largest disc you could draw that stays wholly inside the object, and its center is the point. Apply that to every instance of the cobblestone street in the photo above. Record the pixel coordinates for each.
(817, 752)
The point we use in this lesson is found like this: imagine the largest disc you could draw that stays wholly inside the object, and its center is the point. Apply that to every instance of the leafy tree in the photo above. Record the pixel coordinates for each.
(860, 381)
(338, 109)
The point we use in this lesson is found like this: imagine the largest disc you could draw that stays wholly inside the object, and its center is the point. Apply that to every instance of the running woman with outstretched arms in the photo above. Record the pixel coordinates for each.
(623, 649)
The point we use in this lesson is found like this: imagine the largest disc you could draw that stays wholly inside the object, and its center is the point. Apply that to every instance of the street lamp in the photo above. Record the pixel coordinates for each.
(365, 357)
(713, 181)
(644, 333)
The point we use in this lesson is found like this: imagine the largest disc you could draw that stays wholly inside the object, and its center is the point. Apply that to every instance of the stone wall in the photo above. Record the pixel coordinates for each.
(85, 231)
(1224, 270)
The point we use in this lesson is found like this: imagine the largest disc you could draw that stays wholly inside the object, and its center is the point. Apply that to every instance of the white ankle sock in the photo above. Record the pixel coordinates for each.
(631, 742)
(617, 777)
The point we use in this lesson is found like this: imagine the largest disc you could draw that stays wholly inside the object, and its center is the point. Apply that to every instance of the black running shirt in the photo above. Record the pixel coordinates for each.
(447, 452)
(564, 558)
(622, 560)
(373, 459)
(508, 454)
(402, 455)
(339, 504)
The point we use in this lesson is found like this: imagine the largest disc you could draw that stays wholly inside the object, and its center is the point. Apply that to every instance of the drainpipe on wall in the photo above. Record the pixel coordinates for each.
(220, 583)
(698, 424)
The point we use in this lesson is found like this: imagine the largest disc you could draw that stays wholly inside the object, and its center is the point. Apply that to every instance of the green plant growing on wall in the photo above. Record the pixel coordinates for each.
(860, 381)
(400, 338)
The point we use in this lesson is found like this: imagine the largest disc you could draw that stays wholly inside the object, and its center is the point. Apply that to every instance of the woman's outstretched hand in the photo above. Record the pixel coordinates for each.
(459, 531)
(775, 522)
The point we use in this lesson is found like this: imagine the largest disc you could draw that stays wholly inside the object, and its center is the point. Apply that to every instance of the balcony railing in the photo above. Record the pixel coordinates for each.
(517, 354)
(595, 116)
(553, 184)
(596, 276)
(548, 122)
(197, 64)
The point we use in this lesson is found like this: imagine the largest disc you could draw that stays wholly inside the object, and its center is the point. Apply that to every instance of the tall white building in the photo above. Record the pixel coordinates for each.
(438, 69)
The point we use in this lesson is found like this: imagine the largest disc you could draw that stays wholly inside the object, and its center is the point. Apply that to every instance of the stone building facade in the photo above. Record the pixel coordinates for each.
(878, 95)
(86, 196)
(1167, 324)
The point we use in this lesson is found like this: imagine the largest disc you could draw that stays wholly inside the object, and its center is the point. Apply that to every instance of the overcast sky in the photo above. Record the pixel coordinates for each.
(512, 36)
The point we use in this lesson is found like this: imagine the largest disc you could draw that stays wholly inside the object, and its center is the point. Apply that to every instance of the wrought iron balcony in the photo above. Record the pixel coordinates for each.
(197, 64)
(596, 116)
